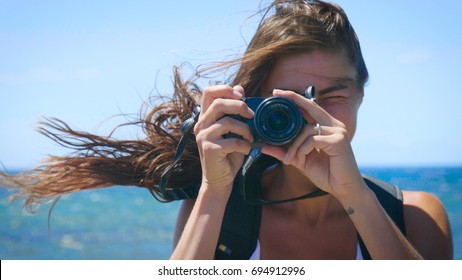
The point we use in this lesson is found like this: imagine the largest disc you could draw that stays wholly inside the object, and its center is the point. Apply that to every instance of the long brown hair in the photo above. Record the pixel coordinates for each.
(286, 27)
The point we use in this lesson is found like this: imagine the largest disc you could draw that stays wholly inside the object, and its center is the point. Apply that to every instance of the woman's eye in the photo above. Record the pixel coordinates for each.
(332, 98)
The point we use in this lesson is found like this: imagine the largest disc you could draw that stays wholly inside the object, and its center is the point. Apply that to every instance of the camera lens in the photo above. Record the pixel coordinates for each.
(278, 120)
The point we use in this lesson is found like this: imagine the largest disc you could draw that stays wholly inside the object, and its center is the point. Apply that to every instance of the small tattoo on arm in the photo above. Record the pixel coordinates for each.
(350, 211)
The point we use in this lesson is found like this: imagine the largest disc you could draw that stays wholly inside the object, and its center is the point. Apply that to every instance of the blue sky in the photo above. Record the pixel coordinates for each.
(85, 61)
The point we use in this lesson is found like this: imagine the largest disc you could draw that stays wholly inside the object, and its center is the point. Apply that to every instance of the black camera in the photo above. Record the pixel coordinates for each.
(277, 120)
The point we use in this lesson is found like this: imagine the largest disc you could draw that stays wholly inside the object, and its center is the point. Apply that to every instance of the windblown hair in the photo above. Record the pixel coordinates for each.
(99, 162)
(287, 27)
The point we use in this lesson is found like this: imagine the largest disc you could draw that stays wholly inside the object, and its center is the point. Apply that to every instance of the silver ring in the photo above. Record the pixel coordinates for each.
(318, 128)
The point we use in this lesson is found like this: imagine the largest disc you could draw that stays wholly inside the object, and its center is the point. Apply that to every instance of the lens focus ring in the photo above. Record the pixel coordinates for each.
(278, 120)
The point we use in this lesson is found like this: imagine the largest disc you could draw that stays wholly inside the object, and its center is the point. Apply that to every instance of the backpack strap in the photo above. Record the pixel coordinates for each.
(391, 199)
(239, 229)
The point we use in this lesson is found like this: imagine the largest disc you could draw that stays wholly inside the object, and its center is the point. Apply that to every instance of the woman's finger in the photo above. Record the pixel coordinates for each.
(330, 143)
(228, 125)
(219, 108)
(231, 145)
(239, 89)
(278, 152)
(313, 138)
(306, 133)
(309, 107)
(211, 93)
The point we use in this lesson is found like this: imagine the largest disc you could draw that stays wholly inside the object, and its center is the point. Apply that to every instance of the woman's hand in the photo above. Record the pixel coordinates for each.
(221, 158)
(326, 159)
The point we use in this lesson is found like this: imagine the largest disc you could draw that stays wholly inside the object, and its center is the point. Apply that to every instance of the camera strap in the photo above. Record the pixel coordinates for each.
(249, 179)
(191, 191)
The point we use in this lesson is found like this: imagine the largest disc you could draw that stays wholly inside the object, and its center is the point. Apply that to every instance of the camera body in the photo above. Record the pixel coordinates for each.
(277, 121)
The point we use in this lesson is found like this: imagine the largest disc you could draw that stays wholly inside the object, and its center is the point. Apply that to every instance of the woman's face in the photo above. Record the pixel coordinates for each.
(330, 73)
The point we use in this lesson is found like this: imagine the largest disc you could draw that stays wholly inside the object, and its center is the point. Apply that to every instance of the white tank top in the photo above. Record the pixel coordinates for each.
(256, 253)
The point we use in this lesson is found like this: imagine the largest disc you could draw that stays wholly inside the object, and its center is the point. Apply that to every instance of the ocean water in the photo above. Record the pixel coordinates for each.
(128, 223)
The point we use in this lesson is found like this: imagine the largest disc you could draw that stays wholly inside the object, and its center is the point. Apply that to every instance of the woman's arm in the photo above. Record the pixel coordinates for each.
(381, 236)
(325, 156)
(199, 222)
(428, 233)
(198, 225)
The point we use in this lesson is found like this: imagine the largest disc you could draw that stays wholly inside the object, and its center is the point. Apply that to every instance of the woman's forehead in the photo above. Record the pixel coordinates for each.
(317, 68)
(316, 63)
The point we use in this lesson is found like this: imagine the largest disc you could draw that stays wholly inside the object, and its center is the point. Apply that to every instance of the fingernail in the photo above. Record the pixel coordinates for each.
(286, 158)
(237, 94)
(276, 91)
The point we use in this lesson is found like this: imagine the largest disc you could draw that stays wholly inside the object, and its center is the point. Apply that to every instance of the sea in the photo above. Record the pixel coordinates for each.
(127, 223)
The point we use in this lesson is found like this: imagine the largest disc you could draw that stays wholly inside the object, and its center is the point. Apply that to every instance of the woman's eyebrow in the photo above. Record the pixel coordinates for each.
(331, 89)
(287, 89)
(320, 92)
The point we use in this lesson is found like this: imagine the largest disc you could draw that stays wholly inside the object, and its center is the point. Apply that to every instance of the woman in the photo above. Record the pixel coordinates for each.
(298, 43)
(303, 43)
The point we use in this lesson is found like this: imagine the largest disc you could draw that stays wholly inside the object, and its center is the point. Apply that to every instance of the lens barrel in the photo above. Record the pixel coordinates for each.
(278, 120)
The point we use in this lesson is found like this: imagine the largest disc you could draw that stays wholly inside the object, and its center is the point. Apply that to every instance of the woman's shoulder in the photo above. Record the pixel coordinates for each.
(419, 204)
(423, 200)
(427, 224)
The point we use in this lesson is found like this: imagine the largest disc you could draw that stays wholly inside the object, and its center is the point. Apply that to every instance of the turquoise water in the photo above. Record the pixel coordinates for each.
(127, 223)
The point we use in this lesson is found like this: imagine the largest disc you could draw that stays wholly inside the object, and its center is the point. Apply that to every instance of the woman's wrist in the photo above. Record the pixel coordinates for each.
(218, 193)
(355, 199)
